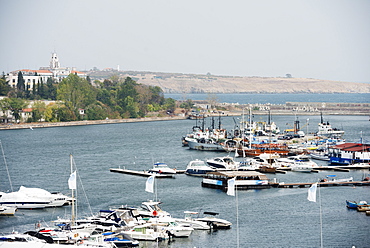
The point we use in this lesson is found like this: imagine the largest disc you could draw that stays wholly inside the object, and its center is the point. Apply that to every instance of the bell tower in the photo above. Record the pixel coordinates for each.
(54, 62)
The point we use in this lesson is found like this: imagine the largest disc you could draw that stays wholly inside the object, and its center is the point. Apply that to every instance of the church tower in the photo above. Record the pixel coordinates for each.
(54, 62)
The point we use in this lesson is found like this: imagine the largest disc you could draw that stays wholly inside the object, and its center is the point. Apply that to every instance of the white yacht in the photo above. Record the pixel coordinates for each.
(224, 163)
(162, 168)
(197, 168)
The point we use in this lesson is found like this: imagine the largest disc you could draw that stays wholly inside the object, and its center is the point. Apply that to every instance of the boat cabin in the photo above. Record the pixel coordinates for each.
(243, 180)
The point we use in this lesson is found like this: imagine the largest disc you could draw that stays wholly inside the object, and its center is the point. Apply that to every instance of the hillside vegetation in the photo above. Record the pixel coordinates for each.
(191, 83)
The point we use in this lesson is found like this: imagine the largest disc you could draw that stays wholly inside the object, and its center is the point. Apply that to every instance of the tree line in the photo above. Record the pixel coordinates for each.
(113, 98)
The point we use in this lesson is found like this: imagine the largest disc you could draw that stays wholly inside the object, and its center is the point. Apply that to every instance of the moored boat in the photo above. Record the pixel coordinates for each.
(162, 168)
(354, 204)
(198, 168)
(214, 222)
(244, 180)
(225, 163)
(7, 210)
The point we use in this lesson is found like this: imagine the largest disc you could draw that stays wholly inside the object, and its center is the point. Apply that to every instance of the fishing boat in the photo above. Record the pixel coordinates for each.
(162, 168)
(225, 163)
(326, 130)
(197, 168)
(354, 204)
(205, 144)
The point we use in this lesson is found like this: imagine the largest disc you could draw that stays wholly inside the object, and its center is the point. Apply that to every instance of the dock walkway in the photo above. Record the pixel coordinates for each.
(322, 184)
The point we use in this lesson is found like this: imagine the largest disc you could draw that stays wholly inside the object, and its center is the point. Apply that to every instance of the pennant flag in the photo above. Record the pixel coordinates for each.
(149, 186)
(231, 187)
(72, 181)
(312, 193)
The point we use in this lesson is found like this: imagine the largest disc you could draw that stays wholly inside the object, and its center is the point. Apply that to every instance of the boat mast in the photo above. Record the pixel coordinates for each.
(6, 167)
(250, 127)
(73, 198)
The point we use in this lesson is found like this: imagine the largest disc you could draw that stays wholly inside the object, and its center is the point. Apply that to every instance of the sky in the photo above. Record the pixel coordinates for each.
(321, 39)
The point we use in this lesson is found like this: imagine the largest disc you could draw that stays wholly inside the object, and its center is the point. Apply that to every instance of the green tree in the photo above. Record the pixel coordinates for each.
(4, 86)
(20, 85)
(170, 105)
(38, 111)
(187, 105)
(76, 93)
(51, 89)
(15, 105)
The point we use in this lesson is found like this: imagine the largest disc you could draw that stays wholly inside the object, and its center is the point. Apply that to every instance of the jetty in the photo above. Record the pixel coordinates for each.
(322, 184)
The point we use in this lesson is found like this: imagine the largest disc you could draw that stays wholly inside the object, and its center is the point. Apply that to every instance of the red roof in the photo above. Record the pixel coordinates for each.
(352, 147)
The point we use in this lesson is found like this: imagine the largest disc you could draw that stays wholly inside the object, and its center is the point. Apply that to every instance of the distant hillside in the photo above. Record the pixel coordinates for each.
(194, 83)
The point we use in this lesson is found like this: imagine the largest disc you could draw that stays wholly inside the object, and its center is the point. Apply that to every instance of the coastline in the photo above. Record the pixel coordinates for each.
(13, 126)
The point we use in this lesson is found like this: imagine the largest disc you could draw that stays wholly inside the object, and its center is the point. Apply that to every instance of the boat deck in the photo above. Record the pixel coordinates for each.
(141, 173)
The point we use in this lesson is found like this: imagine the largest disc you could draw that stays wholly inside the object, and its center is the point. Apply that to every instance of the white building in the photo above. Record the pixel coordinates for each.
(32, 77)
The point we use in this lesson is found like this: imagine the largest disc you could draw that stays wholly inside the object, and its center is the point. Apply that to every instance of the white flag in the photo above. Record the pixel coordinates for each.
(312, 192)
(72, 181)
(149, 186)
(231, 187)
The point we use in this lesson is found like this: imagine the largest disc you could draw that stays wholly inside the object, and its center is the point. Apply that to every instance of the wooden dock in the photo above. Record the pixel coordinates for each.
(322, 184)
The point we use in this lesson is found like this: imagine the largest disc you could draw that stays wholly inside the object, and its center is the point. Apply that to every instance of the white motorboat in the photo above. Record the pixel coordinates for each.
(190, 221)
(162, 168)
(197, 168)
(334, 179)
(32, 198)
(215, 223)
(299, 163)
(147, 232)
(171, 226)
(151, 209)
(225, 163)
(7, 210)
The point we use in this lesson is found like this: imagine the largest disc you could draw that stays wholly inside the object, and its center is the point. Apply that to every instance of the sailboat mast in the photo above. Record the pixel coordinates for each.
(73, 198)
(6, 167)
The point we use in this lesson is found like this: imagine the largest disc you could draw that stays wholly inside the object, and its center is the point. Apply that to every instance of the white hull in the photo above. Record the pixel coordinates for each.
(7, 210)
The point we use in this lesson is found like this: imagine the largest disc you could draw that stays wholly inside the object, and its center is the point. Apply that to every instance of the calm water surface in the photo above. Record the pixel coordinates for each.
(267, 218)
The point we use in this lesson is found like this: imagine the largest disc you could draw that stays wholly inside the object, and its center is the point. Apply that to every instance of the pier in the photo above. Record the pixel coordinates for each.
(322, 184)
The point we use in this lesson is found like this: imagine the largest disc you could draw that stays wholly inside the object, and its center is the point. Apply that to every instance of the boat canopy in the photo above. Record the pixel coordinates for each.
(237, 174)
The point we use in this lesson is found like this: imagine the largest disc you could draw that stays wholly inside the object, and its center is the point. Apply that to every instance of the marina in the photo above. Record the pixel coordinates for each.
(99, 148)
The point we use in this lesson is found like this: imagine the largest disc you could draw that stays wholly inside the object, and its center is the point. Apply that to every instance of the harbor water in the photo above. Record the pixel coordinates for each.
(276, 217)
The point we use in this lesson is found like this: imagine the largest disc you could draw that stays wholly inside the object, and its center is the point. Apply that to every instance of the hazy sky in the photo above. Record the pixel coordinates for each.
(323, 39)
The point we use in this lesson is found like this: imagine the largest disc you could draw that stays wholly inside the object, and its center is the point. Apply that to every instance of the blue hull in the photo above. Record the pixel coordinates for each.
(197, 172)
(345, 161)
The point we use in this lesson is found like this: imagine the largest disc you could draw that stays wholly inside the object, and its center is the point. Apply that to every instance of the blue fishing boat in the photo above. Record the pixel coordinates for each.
(354, 204)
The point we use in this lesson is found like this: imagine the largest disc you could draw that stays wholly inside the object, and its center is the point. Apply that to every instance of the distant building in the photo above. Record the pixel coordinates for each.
(32, 77)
